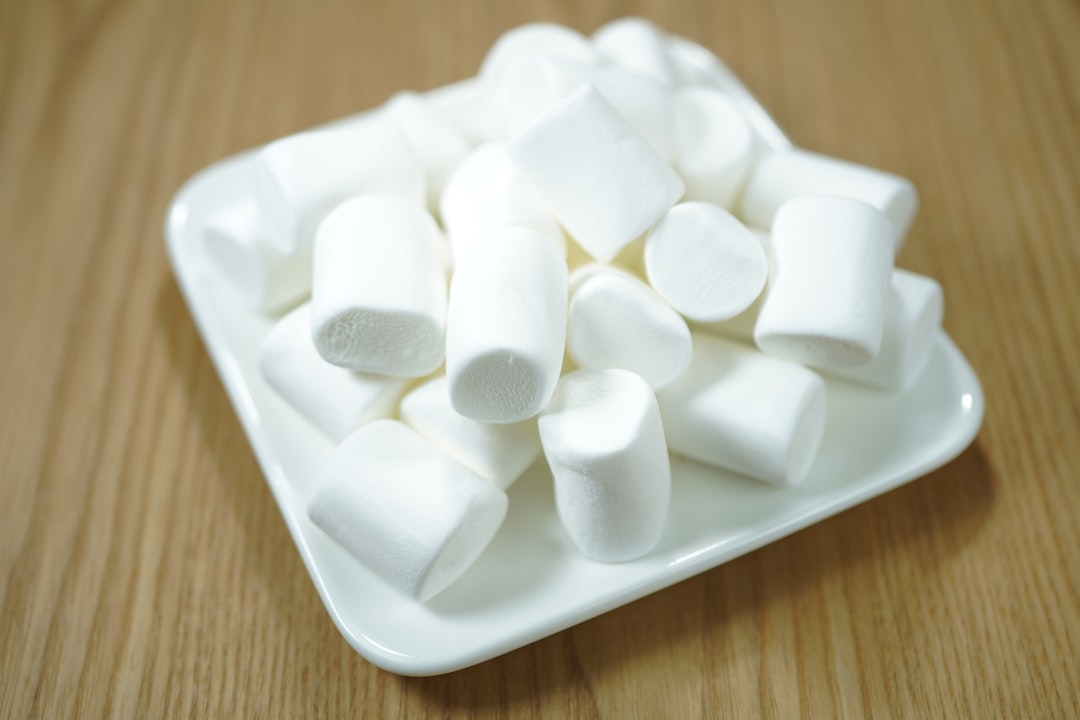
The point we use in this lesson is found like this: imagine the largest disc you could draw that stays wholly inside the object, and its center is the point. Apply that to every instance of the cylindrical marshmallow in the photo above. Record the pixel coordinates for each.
(690, 62)
(525, 89)
(638, 45)
(530, 86)
(484, 195)
(641, 100)
(604, 441)
(600, 178)
(617, 321)
(300, 178)
(705, 262)
(783, 176)
(913, 313)
(441, 147)
(334, 399)
(499, 453)
(534, 39)
(741, 327)
(714, 145)
(506, 327)
(746, 412)
(415, 517)
(466, 106)
(379, 287)
(237, 245)
(696, 65)
(832, 260)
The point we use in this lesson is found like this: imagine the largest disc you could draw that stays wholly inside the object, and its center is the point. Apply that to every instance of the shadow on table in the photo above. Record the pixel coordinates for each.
(929, 520)
(268, 549)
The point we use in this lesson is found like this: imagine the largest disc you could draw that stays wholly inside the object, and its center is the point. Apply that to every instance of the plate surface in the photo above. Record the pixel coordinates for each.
(530, 582)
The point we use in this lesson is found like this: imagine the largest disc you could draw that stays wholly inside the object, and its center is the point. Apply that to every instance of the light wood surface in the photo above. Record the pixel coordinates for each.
(144, 568)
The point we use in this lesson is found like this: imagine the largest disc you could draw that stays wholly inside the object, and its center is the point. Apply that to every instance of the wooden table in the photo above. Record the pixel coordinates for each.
(144, 568)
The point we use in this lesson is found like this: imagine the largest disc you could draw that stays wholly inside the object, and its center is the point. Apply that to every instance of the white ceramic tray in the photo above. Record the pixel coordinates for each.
(530, 583)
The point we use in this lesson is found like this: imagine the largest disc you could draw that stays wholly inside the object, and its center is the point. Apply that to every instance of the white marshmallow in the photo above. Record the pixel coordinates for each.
(832, 260)
(782, 176)
(379, 288)
(531, 85)
(695, 65)
(642, 101)
(484, 195)
(604, 442)
(691, 63)
(300, 178)
(638, 45)
(525, 89)
(617, 321)
(705, 262)
(746, 412)
(913, 314)
(441, 147)
(531, 40)
(714, 146)
(334, 399)
(597, 175)
(741, 327)
(466, 106)
(415, 517)
(506, 327)
(237, 245)
(499, 453)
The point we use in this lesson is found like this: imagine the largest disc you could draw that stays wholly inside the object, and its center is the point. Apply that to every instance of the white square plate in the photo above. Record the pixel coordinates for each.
(530, 582)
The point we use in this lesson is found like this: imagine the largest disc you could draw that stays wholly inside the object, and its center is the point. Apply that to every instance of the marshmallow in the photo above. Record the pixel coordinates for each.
(531, 40)
(832, 260)
(441, 147)
(642, 101)
(531, 85)
(411, 514)
(379, 289)
(300, 178)
(741, 327)
(714, 145)
(498, 453)
(705, 262)
(466, 106)
(597, 175)
(690, 63)
(506, 327)
(746, 412)
(484, 195)
(617, 321)
(334, 399)
(637, 45)
(604, 442)
(913, 314)
(237, 245)
(695, 65)
(782, 176)
(525, 89)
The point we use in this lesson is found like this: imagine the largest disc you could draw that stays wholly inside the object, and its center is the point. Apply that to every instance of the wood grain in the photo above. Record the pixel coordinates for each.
(144, 569)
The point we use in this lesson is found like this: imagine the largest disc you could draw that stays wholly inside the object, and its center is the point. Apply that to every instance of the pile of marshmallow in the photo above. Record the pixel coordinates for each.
(587, 253)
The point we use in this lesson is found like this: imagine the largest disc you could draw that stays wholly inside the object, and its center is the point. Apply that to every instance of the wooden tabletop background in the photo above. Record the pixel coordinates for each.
(144, 568)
